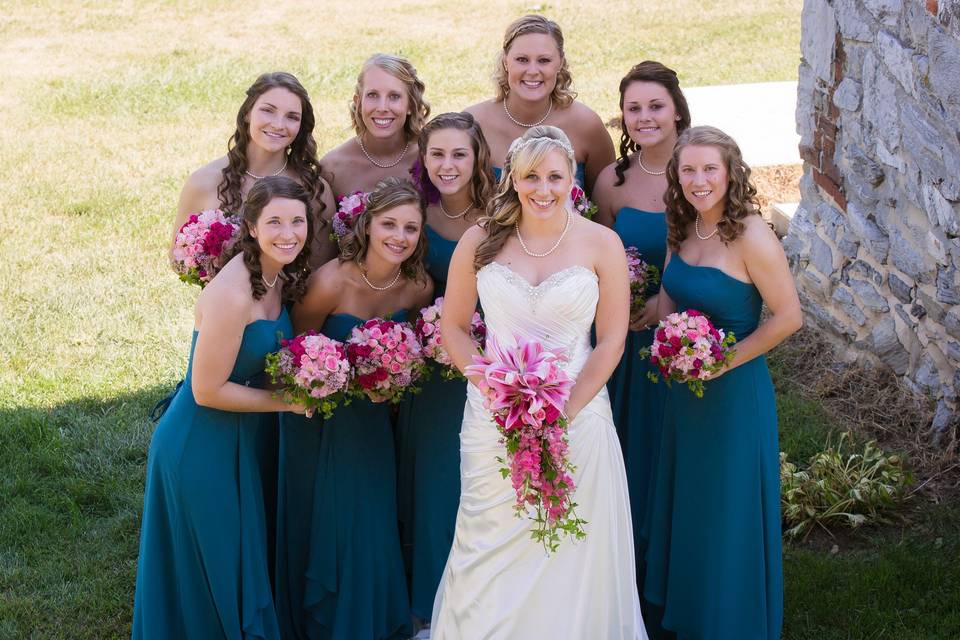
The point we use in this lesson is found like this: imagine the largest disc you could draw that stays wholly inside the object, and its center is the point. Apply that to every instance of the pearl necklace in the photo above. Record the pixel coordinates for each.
(645, 170)
(275, 173)
(363, 274)
(696, 228)
(534, 254)
(456, 216)
(383, 166)
(270, 285)
(524, 124)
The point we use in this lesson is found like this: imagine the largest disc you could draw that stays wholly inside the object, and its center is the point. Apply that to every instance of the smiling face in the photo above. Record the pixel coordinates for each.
(395, 233)
(274, 119)
(702, 172)
(450, 160)
(383, 103)
(532, 63)
(281, 230)
(649, 114)
(545, 189)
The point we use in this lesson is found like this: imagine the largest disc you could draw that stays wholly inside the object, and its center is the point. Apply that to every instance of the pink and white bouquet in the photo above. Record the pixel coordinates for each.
(525, 390)
(313, 369)
(387, 360)
(687, 348)
(348, 208)
(428, 330)
(201, 242)
(642, 276)
(581, 204)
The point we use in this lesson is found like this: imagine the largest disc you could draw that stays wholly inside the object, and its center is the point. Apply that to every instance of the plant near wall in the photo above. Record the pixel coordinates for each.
(841, 488)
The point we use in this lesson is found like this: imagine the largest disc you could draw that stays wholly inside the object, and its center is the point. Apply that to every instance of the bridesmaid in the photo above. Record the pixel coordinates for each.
(388, 111)
(533, 88)
(455, 160)
(629, 195)
(274, 136)
(203, 567)
(343, 575)
(714, 560)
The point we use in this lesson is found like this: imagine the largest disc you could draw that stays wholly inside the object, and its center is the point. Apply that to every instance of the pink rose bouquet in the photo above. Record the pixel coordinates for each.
(581, 204)
(642, 276)
(387, 360)
(348, 208)
(428, 330)
(687, 348)
(201, 242)
(313, 369)
(525, 390)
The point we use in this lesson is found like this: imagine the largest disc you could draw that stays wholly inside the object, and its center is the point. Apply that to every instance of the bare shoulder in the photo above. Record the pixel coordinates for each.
(229, 294)
(756, 231)
(480, 110)
(472, 237)
(602, 237)
(207, 177)
(336, 157)
(584, 115)
(605, 179)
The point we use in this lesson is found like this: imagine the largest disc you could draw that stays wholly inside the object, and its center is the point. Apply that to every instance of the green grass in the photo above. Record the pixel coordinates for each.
(106, 107)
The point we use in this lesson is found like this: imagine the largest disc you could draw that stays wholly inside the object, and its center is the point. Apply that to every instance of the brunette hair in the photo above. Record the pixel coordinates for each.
(295, 274)
(388, 194)
(562, 95)
(649, 71)
(481, 182)
(402, 70)
(504, 209)
(740, 200)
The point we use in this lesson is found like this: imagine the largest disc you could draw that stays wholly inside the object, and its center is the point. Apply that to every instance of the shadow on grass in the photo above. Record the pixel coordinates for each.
(71, 496)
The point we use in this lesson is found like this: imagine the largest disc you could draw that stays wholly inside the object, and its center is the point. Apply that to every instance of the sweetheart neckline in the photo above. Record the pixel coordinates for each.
(546, 280)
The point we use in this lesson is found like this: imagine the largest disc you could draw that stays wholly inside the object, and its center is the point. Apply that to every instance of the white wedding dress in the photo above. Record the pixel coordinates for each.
(498, 582)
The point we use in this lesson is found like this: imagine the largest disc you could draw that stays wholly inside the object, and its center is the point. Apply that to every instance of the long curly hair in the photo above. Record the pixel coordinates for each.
(295, 274)
(562, 95)
(388, 194)
(402, 70)
(648, 71)
(481, 182)
(504, 209)
(740, 200)
(301, 156)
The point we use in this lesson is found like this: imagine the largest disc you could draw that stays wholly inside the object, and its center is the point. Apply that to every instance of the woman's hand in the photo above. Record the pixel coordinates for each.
(646, 316)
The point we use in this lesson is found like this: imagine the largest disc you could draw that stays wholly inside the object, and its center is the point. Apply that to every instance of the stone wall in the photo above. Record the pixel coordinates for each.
(875, 243)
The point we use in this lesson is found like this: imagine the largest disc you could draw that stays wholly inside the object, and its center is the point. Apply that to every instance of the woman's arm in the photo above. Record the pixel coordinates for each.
(602, 196)
(613, 311)
(194, 198)
(599, 149)
(460, 300)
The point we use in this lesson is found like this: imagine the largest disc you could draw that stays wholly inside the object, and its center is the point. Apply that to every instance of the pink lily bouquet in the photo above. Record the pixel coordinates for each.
(314, 371)
(387, 360)
(348, 208)
(642, 276)
(687, 348)
(428, 331)
(525, 390)
(201, 242)
(581, 204)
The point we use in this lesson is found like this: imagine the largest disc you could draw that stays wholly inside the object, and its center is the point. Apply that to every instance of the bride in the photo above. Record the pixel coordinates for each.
(545, 273)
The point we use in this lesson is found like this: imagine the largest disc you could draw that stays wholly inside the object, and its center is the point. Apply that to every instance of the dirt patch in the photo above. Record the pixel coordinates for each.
(780, 183)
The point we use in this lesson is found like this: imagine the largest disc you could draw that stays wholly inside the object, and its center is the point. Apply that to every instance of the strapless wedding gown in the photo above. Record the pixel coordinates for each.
(498, 582)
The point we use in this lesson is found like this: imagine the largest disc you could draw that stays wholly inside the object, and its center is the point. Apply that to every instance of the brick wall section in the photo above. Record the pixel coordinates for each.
(875, 243)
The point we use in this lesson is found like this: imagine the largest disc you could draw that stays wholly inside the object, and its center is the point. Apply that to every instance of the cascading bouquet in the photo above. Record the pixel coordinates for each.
(581, 204)
(428, 330)
(200, 243)
(348, 208)
(525, 390)
(687, 348)
(642, 276)
(387, 360)
(314, 371)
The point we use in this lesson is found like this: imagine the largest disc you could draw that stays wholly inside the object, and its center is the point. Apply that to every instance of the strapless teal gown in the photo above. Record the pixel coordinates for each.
(714, 559)
(353, 581)
(636, 401)
(580, 177)
(203, 570)
(428, 440)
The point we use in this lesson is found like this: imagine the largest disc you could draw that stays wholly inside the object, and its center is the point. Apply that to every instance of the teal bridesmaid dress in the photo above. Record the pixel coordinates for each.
(353, 578)
(428, 441)
(203, 570)
(714, 558)
(581, 177)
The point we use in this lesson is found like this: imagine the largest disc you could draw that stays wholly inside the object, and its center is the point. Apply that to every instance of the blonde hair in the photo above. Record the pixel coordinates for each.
(562, 95)
(402, 70)
(504, 209)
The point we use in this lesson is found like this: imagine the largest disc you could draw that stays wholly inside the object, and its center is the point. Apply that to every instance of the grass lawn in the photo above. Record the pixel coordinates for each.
(107, 106)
